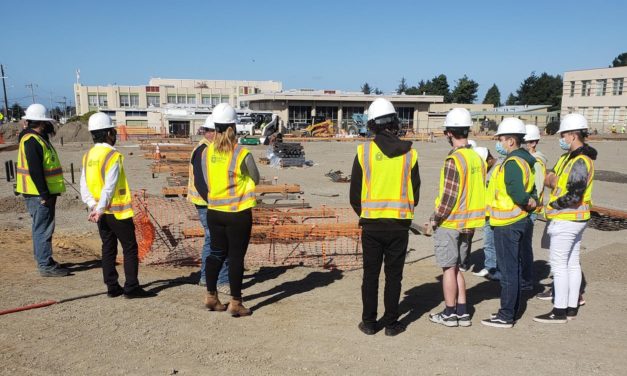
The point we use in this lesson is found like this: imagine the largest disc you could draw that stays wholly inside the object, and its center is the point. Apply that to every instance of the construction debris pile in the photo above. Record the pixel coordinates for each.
(287, 154)
(338, 176)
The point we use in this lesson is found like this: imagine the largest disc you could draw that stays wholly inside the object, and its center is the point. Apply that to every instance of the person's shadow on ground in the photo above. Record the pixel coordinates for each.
(82, 266)
(265, 273)
(287, 289)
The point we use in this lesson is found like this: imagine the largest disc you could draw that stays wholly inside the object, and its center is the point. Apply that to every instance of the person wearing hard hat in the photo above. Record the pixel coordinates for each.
(512, 201)
(568, 210)
(384, 190)
(198, 166)
(229, 191)
(40, 181)
(459, 210)
(105, 190)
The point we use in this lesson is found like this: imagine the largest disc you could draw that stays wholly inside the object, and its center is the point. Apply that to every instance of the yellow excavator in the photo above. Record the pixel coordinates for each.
(320, 127)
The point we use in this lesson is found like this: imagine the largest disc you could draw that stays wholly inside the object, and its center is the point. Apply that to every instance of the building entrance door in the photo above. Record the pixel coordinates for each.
(179, 128)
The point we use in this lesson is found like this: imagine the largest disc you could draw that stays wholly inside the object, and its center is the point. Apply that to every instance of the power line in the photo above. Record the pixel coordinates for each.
(32, 87)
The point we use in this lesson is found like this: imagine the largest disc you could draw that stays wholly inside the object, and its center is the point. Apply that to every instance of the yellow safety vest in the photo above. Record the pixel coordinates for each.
(229, 189)
(53, 173)
(503, 210)
(470, 204)
(386, 190)
(489, 194)
(562, 170)
(540, 207)
(96, 163)
(192, 194)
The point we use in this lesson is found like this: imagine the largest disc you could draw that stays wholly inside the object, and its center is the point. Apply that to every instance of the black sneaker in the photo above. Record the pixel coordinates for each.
(463, 320)
(394, 329)
(497, 322)
(139, 293)
(547, 295)
(54, 272)
(551, 318)
(571, 313)
(115, 292)
(367, 329)
(443, 319)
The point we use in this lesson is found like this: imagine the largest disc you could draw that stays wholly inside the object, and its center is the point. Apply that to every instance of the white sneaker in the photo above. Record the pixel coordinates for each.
(224, 289)
(482, 273)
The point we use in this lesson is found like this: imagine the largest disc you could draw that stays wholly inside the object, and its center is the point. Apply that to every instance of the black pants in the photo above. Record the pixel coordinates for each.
(230, 234)
(379, 247)
(111, 230)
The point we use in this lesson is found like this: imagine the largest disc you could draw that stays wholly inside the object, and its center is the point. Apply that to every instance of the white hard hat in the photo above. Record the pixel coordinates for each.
(223, 113)
(533, 132)
(472, 143)
(458, 118)
(483, 152)
(99, 121)
(36, 112)
(380, 107)
(573, 122)
(209, 123)
(511, 125)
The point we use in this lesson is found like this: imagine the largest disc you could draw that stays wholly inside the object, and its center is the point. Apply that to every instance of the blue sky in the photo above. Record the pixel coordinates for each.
(315, 44)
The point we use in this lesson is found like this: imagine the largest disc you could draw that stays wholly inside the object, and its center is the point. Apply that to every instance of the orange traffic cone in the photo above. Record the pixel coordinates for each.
(157, 153)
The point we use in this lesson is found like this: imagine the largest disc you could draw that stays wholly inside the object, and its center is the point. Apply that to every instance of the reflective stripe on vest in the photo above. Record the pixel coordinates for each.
(192, 194)
(53, 172)
(96, 163)
(229, 190)
(386, 203)
(469, 208)
(562, 170)
(503, 210)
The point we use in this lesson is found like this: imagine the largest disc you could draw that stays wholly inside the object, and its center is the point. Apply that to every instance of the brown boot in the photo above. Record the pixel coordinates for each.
(237, 309)
(213, 303)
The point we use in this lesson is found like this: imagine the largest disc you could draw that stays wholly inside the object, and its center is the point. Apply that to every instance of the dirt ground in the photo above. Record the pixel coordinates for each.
(305, 319)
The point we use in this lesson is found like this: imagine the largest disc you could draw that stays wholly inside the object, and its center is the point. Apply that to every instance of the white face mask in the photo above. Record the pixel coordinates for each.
(500, 149)
(564, 145)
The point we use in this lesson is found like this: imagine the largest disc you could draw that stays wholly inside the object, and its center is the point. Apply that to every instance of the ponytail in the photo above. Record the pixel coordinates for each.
(225, 141)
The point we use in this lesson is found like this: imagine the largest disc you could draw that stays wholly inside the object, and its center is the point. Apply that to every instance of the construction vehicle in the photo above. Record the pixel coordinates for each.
(320, 127)
(360, 126)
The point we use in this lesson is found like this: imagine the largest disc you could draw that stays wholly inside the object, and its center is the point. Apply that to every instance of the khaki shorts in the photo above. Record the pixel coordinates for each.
(451, 247)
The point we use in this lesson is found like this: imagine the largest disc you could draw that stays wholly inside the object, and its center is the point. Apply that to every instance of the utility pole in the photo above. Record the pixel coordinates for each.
(32, 87)
(64, 106)
(6, 100)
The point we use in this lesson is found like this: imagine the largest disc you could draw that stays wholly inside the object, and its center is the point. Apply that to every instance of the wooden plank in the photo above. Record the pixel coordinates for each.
(178, 168)
(168, 156)
(260, 189)
(614, 213)
(167, 148)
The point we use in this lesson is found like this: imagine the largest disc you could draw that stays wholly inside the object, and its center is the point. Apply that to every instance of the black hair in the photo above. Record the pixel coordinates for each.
(100, 135)
(387, 122)
(35, 123)
(461, 132)
(223, 127)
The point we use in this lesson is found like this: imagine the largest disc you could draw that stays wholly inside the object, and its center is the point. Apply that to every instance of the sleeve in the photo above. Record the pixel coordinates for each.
(575, 187)
(355, 187)
(35, 159)
(86, 195)
(539, 183)
(249, 167)
(108, 189)
(415, 183)
(514, 184)
(199, 180)
(449, 196)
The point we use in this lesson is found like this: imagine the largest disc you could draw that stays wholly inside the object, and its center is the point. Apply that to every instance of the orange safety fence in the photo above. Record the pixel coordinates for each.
(169, 232)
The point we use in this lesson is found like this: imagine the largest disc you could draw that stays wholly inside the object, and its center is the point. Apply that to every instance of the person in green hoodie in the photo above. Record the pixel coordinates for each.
(514, 199)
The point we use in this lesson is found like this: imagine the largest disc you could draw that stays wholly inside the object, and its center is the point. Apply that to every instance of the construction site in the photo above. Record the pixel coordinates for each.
(303, 273)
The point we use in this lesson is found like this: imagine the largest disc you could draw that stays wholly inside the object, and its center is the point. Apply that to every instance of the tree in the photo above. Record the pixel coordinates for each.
(402, 86)
(377, 91)
(465, 91)
(493, 96)
(543, 89)
(365, 88)
(511, 100)
(439, 86)
(620, 60)
(17, 111)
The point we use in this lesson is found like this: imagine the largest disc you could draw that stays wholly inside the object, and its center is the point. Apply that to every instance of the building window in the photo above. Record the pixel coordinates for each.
(215, 101)
(134, 100)
(181, 99)
(152, 100)
(206, 100)
(601, 87)
(614, 115)
(224, 99)
(171, 98)
(92, 99)
(110, 113)
(406, 116)
(584, 111)
(585, 88)
(137, 113)
(152, 89)
(102, 100)
(125, 101)
(597, 115)
(329, 113)
(617, 88)
(191, 99)
(572, 88)
(299, 115)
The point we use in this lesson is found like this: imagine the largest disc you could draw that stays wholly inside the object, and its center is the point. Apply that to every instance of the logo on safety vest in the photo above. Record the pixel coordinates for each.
(214, 159)
(379, 156)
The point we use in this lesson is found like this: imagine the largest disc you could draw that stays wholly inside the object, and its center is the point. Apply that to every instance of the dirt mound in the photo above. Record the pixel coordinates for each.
(10, 131)
(15, 204)
(73, 132)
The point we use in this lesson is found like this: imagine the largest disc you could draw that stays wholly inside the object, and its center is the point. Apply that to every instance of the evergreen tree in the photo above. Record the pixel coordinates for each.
(493, 96)
(465, 91)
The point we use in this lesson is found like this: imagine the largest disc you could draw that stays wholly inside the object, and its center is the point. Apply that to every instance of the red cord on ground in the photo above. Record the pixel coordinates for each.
(30, 306)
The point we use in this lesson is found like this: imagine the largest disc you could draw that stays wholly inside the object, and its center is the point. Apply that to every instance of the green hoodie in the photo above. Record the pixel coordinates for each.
(514, 178)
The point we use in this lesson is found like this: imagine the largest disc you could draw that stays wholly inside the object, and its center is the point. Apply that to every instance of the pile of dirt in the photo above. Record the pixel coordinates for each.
(73, 132)
(12, 204)
(10, 131)
(16, 204)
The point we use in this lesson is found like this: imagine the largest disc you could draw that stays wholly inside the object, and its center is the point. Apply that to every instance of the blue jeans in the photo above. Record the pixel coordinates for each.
(223, 276)
(488, 250)
(43, 228)
(511, 242)
(527, 259)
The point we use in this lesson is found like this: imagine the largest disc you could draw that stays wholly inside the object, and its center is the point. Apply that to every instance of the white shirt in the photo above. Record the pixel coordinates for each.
(111, 180)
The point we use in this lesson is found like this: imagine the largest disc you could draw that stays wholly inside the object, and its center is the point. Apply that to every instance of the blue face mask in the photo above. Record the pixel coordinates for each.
(564, 145)
(500, 149)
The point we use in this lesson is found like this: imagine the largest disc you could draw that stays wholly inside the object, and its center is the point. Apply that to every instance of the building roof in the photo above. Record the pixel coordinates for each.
(337, 95)
(520, 108)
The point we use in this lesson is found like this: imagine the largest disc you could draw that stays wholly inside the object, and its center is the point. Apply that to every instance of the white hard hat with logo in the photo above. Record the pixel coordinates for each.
(533, 133)
(223, 113)
(458, 118)
(99, 121)
(573, 122)
(36, 112)
(511, 125)
(380, 107)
